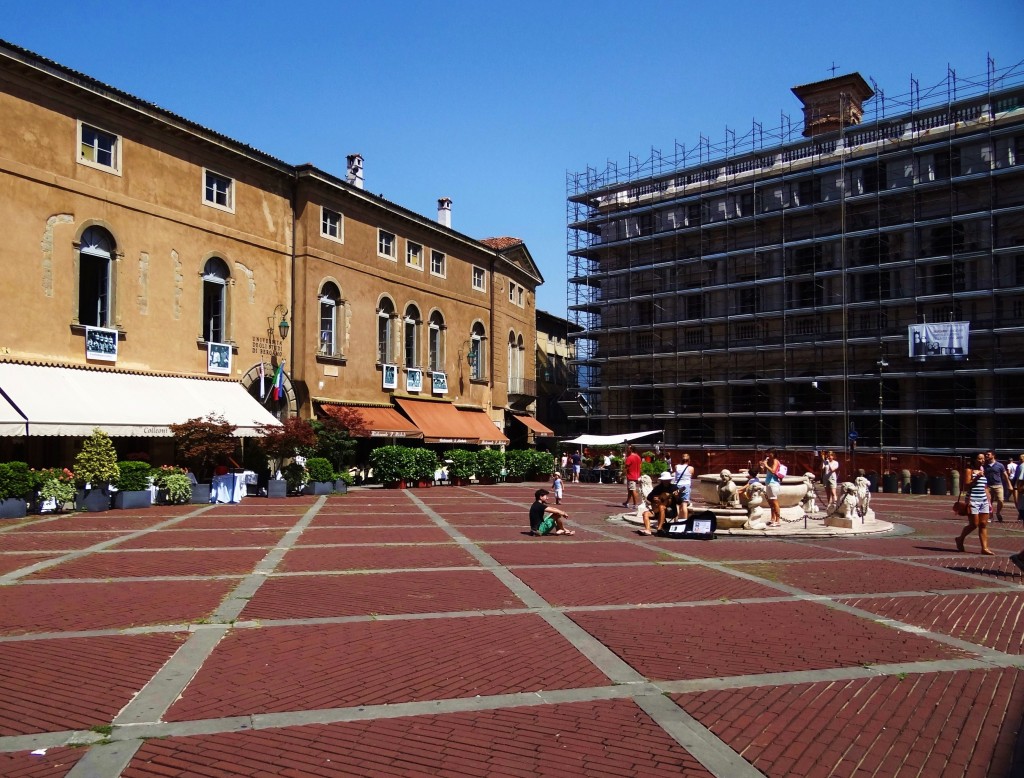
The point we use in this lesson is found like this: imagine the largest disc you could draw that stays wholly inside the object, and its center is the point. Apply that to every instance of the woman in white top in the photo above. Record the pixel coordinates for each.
(683, 479)
(830, 477)
(979, 506)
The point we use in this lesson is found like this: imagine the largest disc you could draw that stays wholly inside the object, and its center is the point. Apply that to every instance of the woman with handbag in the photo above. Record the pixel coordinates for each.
(978, 505)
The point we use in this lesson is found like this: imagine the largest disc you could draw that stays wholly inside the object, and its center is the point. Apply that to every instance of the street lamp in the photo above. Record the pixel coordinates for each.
(282, 326)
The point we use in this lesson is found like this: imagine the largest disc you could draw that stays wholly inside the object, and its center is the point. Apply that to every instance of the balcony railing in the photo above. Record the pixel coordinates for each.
(524, 387)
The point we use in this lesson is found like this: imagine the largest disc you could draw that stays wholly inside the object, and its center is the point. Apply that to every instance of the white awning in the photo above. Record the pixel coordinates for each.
(11, 422)
(611, 440)
(66, 401)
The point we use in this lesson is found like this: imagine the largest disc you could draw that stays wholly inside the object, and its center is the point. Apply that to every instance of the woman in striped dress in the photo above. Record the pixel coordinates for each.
(978, 505)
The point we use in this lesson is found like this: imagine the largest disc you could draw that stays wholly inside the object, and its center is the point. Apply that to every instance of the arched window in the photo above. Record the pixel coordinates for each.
(477, 353)
(215, 297)
(95, 252)
(385, 331)
(437, 328)
(514, 378)
(330, 302)
(411, 338)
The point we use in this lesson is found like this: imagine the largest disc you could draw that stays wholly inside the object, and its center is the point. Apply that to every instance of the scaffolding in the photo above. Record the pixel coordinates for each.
(758, 290)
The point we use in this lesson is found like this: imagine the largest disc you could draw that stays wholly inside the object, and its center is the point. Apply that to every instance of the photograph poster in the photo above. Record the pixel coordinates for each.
(440, 383)
(101, 344)
(413, 380)
(390, 377)
(218, 358)
(940, 339)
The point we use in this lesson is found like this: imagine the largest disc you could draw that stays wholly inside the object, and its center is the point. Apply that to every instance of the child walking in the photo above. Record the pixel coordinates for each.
(556, 485)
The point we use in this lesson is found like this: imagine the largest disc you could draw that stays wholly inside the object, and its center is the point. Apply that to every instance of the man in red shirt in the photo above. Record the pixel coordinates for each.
(631, 466)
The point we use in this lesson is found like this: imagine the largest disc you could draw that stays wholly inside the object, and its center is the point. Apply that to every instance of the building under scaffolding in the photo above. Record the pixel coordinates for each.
(761, 291)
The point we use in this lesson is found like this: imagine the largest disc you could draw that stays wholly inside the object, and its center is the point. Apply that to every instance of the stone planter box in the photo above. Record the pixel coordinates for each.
(200, 494)
(394, 485)
(13, 508)
(277, 488)
(340, 487)
(318, 487)
(92, 500)
(132, 500)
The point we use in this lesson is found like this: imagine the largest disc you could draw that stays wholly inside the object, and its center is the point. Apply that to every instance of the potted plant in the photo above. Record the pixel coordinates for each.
(517, 461)
(392, 466)
(282, 442)
(16, 484)
(461, 467)
(336, 436)
(321, 476)
(95, 469)
(342, 481)
(55, 487)
(490, 462)
(133, 486)
(424, 465)
(540, 466)
(295, 477)
(201, 443)
(174, 487)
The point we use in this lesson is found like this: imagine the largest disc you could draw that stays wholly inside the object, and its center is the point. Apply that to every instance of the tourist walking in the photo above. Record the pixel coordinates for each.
(978, 506)
(683, 480)
(773, 474)
(556, 487)
(631, 466)
(995, 474)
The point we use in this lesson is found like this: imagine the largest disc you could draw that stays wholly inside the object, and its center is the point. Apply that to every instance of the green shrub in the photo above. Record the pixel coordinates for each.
(517, 462)
(541, 463)
(96, 463)
(424, 464)
(392, 464)
(133, 477)
(655, 468)
(489, 463)
(463, 463)
(319, 469)
(295, 476)
(177, 488)
(16, 481)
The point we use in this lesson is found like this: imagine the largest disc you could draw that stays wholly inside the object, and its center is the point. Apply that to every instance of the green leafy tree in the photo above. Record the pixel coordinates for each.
(201, 443)
(392, 464)
(335, 436)
(319, 469)
(489, 462)
(293, 436)
(424, 464)
(463, 463)
(96, 463)
(16, 480)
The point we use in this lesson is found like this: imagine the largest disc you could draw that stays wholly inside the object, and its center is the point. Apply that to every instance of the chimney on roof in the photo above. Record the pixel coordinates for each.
(444, 211)
(833, 104)
(354, 171)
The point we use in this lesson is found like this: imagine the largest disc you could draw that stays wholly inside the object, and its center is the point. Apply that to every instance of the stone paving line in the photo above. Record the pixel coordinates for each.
(141, 718)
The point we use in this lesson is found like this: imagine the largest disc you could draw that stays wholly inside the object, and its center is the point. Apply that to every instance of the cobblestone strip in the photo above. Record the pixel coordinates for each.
(699, 741)
(14, 575)
(153, 700)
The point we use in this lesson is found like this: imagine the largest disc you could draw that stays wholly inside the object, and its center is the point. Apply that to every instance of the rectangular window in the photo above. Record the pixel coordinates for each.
(99, 149)
(437, 262)
(332, 225)
(414, 255)
(328, 326)
(218, 191)
(386, 244)
(479, 279)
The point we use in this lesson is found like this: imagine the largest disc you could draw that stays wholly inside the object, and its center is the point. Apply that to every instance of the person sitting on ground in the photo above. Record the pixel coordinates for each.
(546, 519)
(664, 500)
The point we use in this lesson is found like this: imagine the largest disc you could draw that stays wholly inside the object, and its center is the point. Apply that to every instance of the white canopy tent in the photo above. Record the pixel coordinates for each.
(611, 440)
(67, 401)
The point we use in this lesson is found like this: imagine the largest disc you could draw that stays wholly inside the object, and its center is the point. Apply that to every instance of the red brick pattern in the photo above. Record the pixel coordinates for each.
(31, 540)
(729, 549)
(602, 740)
(367, 557)
(942, 724)
(215, 520)
(316, 536)
(638, 584)
(569, 551)
(187, 538)
(376, 662)
(11, 562)
(76, 683)
(79, 607)
(144, 564)
(740, 639)
(110, 521)
(55, 763)
(323, 596)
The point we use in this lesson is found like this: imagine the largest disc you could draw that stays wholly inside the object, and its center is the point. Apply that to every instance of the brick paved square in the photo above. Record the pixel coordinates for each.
(213, 520)
(372, 518)
(725, 549)
(53, 541)
(383, 662)
(868, 576)
(367, 557)
(513, 520)
(504, 532)
(55, 763)
(206, 538)
(317, 536)
(739, 639)
(636, 584)
(75, 683)
(324, 596)
(16, 561)
(989, 618)
(569, 551)
(930, 725)
(145, 564)
(891, 547)
(111, 521)
(65, 607)
(603, 739)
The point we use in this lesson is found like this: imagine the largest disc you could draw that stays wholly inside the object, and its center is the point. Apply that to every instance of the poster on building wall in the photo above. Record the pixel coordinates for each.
(941, 339)
(413, 380)
(101, 344)
(218, 358)
(389, 377)
(440, 383)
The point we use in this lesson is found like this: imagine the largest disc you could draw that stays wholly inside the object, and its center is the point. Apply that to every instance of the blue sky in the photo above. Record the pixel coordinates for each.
(492, 103)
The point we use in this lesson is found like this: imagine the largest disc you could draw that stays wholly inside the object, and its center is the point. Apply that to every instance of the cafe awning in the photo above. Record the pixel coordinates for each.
(486, 431)
(73, 402)
(534, 425)
(378, 422)
(440, 422)
(11, 422)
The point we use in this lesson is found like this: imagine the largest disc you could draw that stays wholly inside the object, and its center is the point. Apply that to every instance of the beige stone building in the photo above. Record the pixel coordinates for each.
(142, 246)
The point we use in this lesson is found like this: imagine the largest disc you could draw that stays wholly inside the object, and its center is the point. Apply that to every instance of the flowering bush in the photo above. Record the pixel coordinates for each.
(175, 483)
(57, 484)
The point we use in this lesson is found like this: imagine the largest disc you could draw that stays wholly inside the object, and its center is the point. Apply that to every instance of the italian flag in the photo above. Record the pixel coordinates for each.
(278, 387)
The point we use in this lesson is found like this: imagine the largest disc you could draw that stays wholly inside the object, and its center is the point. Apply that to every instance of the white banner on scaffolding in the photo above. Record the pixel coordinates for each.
(942, 339)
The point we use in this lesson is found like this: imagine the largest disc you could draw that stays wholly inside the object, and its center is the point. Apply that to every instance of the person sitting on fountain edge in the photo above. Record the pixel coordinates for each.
(663, 500)
(546, 519)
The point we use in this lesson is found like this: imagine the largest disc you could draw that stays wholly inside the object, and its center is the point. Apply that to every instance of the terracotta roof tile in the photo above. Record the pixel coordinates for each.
(500, 244)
